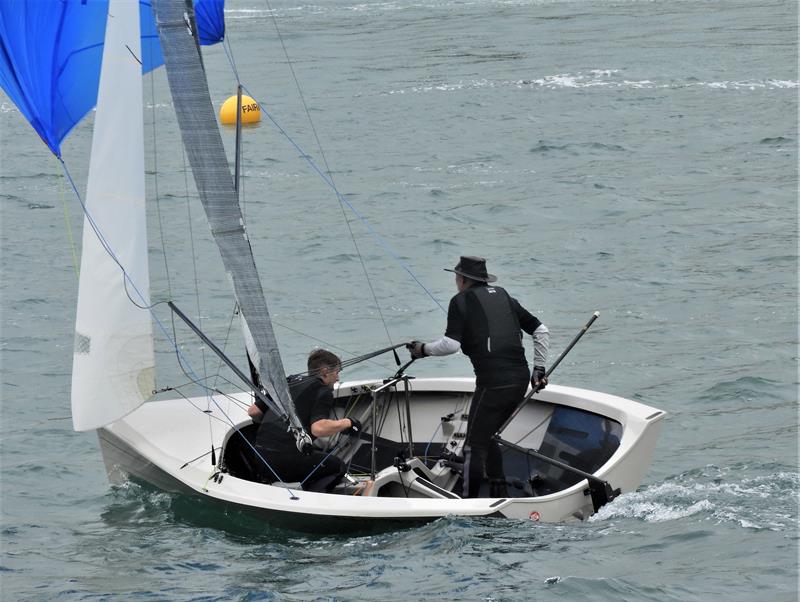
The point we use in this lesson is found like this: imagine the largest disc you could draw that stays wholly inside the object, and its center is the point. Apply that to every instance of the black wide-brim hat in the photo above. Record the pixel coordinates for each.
(474, 268)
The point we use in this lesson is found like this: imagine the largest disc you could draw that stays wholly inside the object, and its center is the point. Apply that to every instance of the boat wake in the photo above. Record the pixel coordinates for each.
(134, 504)
(719, 495)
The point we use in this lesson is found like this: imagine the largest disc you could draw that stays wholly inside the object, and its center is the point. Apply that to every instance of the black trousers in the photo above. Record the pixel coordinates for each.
(315, 471)
(490, 408)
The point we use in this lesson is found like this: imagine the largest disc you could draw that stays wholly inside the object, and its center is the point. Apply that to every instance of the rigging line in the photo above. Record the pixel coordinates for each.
(200, 409)
(106, 246)
(126, 278)
(238, 430)
(226, 46)
(360, 256)
(228, 420)
(321, 462)
(234, 313)
(73, 249)
(381, 241)
(185, 464)
(327, 345)
(327, 167)
(427, 447)
(328, 171)
(196, 379)
(196, 286)
(400, 425)
(151, 308)
(326, 179)
(214, 391)
(518, 441)
(352, 405)
(388, 396)
(199, 382)
(194, 255)
(163, 241)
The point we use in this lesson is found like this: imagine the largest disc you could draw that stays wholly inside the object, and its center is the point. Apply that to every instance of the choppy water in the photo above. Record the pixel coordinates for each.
(634, 157)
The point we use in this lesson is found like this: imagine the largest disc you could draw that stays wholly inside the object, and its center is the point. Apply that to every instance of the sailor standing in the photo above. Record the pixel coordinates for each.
(486, 323)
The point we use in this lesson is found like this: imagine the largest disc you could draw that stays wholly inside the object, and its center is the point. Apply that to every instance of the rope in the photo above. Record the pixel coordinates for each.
(321, 462)
(213, 387)
(258, 454)
(328, 178)
(327, 167)
(68, 221)
(188, 371)
(182, 362)
(326, 344)
(196, 284)
(127, 280)
(427, 447)
(107, 247)
(381, 241)
(234, 313)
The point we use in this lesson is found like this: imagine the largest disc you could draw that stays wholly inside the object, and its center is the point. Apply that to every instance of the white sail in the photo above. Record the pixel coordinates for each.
(113, 365)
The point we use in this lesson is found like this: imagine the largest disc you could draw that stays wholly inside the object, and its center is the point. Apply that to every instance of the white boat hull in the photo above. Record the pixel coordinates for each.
(168, 444)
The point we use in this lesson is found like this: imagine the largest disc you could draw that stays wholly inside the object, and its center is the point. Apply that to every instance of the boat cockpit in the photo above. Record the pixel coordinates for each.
(416, 450)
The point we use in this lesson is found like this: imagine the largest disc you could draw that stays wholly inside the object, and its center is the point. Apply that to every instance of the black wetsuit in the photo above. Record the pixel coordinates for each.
(488, 322)
(312, 401)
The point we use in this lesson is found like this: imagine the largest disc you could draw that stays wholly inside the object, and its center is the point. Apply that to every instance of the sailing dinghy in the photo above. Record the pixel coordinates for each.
(567, 451)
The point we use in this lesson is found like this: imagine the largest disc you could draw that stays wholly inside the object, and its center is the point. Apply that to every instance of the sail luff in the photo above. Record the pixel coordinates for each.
(113, 365)
(203, 144)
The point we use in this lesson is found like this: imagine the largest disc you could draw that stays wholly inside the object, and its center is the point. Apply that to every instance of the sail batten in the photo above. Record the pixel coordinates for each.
(215, 186)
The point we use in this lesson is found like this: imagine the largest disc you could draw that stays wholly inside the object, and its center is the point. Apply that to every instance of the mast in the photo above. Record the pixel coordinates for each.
(217, 191)
(237, 170)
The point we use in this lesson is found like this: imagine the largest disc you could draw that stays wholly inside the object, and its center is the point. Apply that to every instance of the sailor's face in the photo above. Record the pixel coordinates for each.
(461, 284)
(330, 375)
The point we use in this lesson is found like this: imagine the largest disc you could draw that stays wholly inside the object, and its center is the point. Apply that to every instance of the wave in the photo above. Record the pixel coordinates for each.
(746, 387)
(598, 78)
(777, 140)
(380, 6)
(544, 147)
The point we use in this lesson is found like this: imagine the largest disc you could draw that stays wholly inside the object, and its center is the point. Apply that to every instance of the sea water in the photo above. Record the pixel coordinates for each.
(633, 157)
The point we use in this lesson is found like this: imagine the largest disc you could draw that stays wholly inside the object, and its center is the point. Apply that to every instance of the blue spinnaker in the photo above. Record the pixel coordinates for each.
(51, 51)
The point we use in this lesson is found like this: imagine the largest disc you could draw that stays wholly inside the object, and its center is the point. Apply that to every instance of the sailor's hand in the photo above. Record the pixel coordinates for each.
(255, 413)
(355, 427)
(417, 349)
(538, 379)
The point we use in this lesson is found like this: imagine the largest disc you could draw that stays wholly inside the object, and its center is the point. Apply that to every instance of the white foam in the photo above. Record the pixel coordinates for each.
(730, 502)
(597, 78)
(649, 511)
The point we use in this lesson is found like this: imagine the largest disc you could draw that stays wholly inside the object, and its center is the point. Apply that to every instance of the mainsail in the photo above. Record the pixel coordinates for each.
(203, 143)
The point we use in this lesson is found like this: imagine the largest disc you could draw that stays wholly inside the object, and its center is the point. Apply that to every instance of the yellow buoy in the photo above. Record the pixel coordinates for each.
(251, 112)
